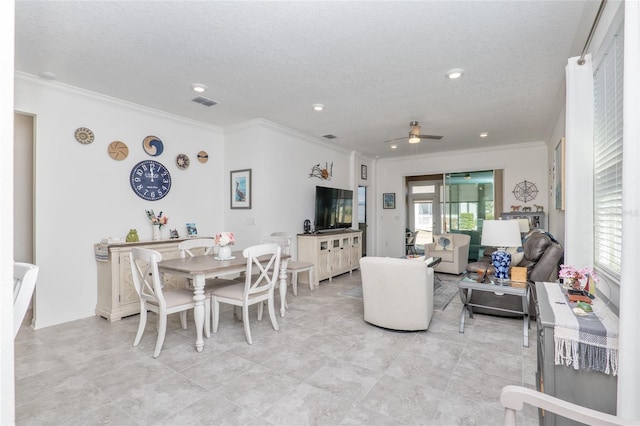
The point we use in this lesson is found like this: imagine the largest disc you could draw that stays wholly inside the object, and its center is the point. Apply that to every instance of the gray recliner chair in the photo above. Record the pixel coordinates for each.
(542, 256)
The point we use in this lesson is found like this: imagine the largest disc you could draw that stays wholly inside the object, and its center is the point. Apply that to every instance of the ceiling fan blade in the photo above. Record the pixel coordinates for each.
(429, 137)
(396, 139)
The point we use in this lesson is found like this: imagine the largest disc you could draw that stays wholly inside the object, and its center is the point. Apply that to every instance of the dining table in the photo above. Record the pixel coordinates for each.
(199, 268)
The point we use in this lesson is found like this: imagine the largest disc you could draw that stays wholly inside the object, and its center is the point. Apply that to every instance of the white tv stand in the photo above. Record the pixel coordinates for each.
(332, 252)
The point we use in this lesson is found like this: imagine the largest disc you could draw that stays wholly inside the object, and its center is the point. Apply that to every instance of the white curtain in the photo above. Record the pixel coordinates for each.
(629, 368)
(579, 164)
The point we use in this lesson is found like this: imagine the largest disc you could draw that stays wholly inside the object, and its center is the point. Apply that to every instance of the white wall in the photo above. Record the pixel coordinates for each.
(7, 16)
(83, 196)
(283, 193)
(556, 217)
(520, 162)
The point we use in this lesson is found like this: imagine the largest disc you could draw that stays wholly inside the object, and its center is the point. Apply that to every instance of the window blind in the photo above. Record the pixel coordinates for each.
(608, 159)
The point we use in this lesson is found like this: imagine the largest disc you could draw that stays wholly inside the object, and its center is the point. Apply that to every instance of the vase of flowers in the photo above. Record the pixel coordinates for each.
(575, 278)
(224, 240)
(157, 221)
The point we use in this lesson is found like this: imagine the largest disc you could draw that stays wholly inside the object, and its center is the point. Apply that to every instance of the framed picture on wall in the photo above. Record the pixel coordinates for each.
(241, 189)
(389, 200)
(363, 172)
(558, 176)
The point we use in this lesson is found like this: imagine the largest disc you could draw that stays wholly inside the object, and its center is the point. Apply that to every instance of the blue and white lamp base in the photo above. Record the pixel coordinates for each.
(501, 260)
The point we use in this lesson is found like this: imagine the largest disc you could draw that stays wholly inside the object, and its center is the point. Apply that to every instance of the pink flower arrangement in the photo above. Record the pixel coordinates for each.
(568, 272)
(158, 220)
(225, 238)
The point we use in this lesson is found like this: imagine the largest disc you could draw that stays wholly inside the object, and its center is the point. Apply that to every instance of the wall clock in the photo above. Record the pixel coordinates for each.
(153, 146)
(150, 180)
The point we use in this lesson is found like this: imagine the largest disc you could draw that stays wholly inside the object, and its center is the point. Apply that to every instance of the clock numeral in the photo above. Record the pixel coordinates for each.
(165, 180)
(136, 180)
(153, 194)
(139, 187)
(139, 172)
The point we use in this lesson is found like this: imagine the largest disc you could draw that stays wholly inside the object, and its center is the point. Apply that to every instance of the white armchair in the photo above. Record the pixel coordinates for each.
(397, 293)
(454, 255)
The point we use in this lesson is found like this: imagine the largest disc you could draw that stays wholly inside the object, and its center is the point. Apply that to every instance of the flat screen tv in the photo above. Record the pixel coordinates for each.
(334, 208)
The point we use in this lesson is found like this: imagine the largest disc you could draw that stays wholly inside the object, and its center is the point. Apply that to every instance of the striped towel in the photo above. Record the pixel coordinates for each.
(588, 342)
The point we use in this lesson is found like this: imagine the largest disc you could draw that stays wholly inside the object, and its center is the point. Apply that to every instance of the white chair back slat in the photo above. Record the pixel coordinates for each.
(25, 276)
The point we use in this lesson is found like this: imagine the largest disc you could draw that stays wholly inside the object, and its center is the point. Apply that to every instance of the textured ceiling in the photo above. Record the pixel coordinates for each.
(375, 65)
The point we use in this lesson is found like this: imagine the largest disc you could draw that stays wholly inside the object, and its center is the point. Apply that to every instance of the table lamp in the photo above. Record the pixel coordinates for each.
(501, 234)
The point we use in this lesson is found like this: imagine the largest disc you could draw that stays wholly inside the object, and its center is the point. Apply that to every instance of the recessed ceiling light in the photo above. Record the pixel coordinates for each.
(484, 134)
(394, 146)
(197, 87)
(455, 73)
(317, 107)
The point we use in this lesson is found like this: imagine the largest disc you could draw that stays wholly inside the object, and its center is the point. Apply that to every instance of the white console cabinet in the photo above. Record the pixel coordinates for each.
(333, 253)
(117, 296)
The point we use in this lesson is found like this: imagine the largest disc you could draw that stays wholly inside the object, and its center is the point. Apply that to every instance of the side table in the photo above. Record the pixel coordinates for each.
(469, 283)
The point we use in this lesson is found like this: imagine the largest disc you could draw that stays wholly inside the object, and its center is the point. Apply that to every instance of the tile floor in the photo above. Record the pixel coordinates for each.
(325, 366)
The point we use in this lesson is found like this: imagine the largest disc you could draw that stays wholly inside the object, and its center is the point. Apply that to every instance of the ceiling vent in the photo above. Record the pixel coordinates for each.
(204, 101)
(329, 136)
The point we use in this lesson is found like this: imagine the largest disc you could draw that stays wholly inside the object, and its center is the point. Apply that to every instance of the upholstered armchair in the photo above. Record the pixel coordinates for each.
(453, 249)
(397, 293)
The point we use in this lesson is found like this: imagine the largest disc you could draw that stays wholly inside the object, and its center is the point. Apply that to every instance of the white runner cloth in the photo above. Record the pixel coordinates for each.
(589, 341)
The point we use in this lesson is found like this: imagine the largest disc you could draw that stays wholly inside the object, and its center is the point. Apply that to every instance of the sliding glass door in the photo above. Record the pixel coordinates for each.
(468, 201)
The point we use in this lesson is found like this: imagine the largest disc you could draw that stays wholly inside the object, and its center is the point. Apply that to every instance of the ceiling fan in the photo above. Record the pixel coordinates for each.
(414, 134)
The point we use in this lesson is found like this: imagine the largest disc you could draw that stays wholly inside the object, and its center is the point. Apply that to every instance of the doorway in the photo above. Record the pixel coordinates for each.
(23, 193)
(424, 210)
(362, 216)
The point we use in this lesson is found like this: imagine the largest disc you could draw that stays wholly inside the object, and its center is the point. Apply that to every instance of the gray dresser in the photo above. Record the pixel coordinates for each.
(588, 388)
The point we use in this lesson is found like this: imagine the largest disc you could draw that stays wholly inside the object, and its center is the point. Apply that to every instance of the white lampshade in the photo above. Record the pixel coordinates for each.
(501, 233)
(524, 225)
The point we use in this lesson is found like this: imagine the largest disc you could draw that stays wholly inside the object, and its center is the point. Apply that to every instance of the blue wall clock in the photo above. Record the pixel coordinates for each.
(150, 180)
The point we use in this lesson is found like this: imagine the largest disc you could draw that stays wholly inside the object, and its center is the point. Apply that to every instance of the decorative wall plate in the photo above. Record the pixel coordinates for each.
(153, 146)
(84, 135)
(182, 161)
(203, 157)
(118, 150)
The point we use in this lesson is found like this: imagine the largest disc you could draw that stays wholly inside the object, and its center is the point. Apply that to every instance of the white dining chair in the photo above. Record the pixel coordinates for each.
(203, 246)
(294, 267)
(146, 280)
(25, 276)
(263, 265)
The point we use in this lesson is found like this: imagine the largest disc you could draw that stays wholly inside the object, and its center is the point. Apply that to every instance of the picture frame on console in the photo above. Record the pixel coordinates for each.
(389, 200)
(363, 172)
(240, 189)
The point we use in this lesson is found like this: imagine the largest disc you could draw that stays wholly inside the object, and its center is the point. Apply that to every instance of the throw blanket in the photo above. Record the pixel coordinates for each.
(589, 341)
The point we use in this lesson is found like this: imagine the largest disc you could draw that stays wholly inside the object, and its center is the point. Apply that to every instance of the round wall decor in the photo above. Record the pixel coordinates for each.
(525, 191)
(182, 161)
(84, 135)
(150, 180)
(153, 146)
(203, 157)
(118, 150)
